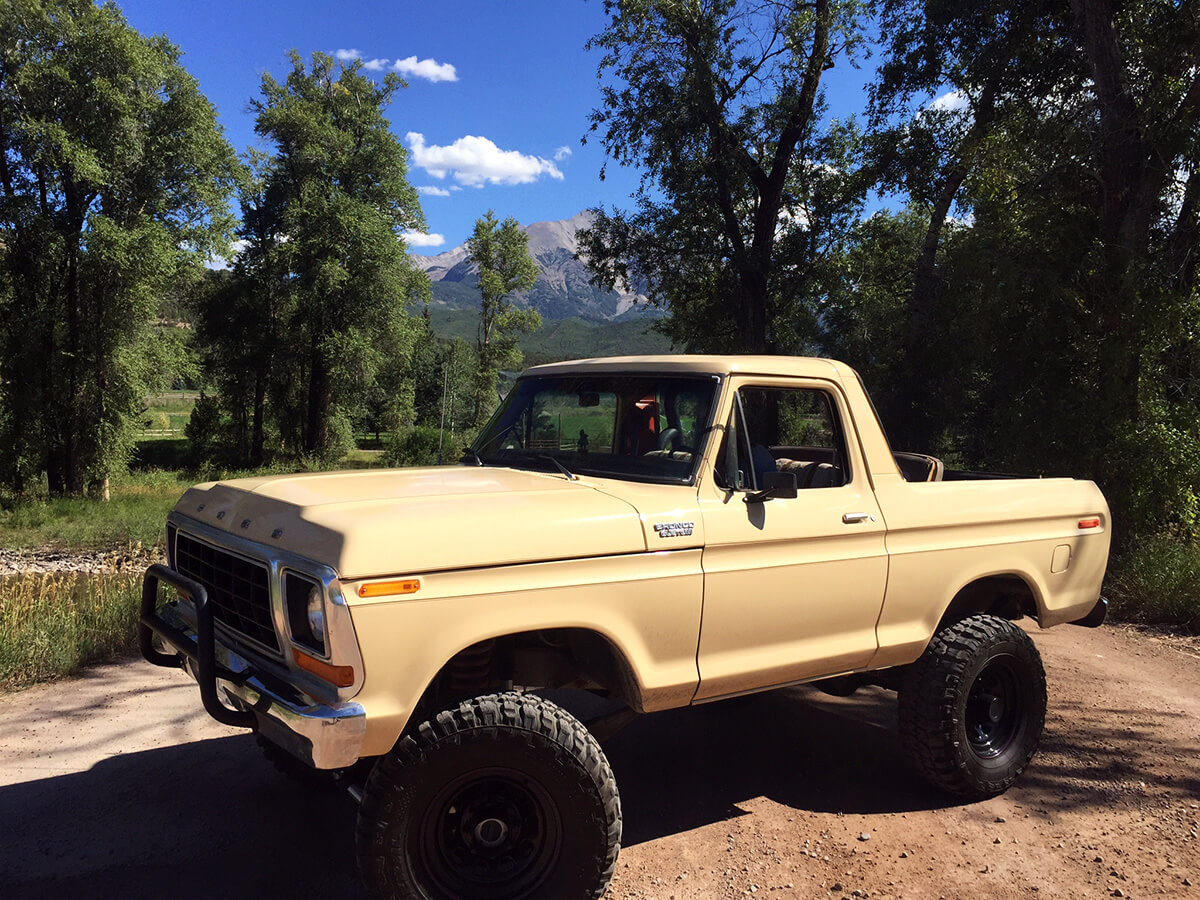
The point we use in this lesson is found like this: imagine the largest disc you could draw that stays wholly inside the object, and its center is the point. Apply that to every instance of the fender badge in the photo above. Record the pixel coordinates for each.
(674, 529)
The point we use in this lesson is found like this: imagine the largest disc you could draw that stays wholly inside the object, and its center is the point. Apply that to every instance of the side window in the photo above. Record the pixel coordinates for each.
(788, 429)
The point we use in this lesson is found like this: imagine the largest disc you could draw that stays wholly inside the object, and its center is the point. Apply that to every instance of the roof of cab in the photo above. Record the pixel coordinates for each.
(800, 366)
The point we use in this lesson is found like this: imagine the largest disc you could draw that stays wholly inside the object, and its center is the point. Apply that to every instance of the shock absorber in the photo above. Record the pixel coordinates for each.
(469, 672)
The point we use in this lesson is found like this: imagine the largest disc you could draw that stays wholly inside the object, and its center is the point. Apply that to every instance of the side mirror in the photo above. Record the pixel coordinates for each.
(776, 486)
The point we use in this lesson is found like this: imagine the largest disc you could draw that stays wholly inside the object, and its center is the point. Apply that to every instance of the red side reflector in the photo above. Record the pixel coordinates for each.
(1090, 523)
(338, 676)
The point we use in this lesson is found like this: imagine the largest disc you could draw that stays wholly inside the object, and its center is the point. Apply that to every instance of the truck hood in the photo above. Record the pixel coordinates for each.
(369, 523)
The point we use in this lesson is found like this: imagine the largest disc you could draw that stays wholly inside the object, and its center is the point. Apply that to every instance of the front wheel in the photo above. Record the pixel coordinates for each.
(973, 706)
(506, 795)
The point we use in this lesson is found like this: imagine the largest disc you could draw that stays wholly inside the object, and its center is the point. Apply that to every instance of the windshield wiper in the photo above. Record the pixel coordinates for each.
(470, 451)
(558, 465)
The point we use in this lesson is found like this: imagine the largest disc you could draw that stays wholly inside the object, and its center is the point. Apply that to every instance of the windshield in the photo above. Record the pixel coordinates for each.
(637, 427)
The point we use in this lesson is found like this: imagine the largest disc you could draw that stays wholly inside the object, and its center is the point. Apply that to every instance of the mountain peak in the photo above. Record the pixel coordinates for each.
(562, 290)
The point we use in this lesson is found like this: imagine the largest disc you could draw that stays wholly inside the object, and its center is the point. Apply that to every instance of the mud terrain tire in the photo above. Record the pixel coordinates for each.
(505, 795)
(973, 706)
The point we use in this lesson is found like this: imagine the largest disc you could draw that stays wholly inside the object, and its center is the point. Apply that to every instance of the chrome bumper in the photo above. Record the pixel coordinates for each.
(324, 735)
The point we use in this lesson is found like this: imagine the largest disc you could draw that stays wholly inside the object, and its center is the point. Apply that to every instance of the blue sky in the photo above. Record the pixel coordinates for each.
(498, 96)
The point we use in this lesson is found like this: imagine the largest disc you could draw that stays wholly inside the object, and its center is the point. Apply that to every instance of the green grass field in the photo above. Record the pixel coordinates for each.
(167, 414)
(136, 514)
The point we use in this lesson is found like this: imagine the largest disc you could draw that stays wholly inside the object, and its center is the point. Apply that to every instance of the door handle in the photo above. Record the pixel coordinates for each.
(855, 518)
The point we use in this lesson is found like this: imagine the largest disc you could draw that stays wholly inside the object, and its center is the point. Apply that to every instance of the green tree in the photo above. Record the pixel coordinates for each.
(337, 199)
(1054, 329)
(115, 179)
(243, 314)
(500, 250)
(719, 103)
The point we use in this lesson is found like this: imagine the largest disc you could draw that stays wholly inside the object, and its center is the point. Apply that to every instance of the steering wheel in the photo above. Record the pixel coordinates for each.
(668, 439)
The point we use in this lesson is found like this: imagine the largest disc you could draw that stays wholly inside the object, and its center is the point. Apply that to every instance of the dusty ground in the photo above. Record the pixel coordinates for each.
(115, 785)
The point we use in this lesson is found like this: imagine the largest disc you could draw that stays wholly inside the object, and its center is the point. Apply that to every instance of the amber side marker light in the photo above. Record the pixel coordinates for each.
(389, 588)
(338, 676)
(1089, 523)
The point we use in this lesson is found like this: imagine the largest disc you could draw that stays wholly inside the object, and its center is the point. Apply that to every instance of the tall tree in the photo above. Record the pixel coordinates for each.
(243, 314)
(719, 103)
(500, 250)
(343, 200)
(1057, 332)
(1001, 64)
(115, 180)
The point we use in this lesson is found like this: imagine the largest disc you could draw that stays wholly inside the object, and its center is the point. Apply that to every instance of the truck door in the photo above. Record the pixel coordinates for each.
(792, 587)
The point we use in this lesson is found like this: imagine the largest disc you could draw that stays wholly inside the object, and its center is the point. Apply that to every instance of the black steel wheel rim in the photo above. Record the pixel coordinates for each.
(490, 833)
(995, 708)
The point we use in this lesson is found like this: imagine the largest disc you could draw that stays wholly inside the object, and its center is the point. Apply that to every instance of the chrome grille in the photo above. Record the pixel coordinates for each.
(239, 590)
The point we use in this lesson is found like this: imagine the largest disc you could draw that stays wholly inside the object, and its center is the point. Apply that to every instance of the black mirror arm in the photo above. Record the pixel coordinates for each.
(760, 496)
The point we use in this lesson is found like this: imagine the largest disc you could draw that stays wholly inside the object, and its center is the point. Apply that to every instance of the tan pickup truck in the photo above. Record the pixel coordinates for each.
(654, 531)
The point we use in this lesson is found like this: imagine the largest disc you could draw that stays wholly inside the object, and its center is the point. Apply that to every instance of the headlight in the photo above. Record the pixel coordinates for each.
(305, 601)
(316, 614)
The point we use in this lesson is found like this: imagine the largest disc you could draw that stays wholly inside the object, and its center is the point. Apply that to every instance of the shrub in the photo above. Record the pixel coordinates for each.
(418, 446)
(1157, 581)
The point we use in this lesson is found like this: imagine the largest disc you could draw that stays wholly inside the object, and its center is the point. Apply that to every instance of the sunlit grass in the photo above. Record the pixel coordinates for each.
(53, 625)
(135, 515)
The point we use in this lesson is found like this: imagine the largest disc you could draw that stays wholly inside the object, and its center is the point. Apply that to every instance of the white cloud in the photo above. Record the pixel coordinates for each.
(419, 239)
(562, 153)
(476, 161)
(371, 65)
(429, 69)
(951, 101)
(430, 190)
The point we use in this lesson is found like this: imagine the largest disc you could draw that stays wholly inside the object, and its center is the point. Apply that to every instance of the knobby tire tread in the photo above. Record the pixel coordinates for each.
(931, 733)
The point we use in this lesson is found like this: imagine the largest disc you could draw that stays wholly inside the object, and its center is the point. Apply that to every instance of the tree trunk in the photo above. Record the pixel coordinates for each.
(260, 408)
(316, 436)
(72, 426)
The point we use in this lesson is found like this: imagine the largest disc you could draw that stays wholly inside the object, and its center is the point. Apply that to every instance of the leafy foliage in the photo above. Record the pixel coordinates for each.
(501, 252)
(743, 196)
(1043, 316)
(312, 335)
(115, 181)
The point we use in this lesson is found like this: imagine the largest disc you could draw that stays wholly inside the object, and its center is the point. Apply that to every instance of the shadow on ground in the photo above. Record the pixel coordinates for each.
(198, 820)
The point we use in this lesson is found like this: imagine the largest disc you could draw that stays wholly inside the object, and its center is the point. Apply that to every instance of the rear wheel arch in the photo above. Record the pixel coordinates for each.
(1007, 595)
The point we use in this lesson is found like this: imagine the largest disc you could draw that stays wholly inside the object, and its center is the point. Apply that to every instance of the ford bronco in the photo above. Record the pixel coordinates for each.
(654, 531)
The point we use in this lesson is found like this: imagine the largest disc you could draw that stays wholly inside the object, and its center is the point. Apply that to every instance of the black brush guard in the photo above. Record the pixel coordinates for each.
(201, 650)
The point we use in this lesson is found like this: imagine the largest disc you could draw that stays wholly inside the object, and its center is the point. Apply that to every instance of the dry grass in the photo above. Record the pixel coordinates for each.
(53, 625)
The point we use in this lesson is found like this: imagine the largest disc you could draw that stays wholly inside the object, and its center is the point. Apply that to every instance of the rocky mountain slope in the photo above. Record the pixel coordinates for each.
(562, 290)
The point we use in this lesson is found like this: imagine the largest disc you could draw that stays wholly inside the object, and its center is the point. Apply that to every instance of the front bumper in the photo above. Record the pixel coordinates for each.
(324, 735)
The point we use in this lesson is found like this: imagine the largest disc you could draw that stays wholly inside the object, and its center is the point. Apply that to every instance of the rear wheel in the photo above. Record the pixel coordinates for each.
(506, 795)
(973, 706)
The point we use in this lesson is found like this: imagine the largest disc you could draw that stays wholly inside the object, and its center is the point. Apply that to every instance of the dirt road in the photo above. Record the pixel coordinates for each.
(115, 785)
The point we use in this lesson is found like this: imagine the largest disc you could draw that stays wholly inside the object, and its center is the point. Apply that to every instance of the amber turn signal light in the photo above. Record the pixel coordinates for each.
(389, 588)
(338, 676)
(1089, 523)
